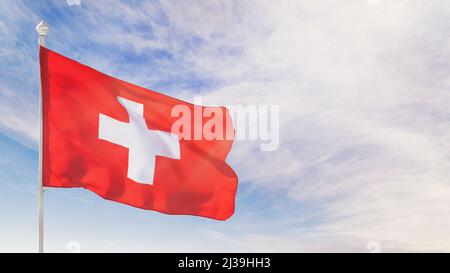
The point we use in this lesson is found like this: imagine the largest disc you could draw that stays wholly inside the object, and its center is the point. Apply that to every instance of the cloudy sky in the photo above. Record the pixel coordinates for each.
(364, 94)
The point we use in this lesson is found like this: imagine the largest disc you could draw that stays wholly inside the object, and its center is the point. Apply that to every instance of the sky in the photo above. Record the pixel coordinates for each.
(363, 90)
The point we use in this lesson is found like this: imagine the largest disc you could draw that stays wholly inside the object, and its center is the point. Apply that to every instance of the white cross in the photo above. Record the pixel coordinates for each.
(143, 144)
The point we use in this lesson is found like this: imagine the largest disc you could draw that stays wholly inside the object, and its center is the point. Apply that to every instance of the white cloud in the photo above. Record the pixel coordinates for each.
(18, 114)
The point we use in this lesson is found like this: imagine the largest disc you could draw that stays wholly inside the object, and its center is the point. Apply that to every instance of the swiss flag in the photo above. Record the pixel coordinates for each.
(116, 139)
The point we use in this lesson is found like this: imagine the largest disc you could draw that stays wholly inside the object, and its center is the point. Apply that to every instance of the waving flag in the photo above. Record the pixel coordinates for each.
(116, 139)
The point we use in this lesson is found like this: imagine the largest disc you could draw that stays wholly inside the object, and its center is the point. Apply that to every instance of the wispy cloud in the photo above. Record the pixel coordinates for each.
(364, 125)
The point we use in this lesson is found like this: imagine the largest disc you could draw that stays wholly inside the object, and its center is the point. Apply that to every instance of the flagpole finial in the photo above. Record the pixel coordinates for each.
(42, 29)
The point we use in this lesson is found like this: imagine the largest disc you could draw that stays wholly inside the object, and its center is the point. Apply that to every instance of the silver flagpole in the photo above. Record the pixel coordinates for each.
(42, 29)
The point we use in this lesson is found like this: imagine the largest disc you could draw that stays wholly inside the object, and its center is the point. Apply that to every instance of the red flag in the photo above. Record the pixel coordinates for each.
(116, 139)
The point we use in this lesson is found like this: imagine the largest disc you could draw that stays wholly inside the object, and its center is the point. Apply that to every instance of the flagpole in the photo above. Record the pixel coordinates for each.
(42, 29)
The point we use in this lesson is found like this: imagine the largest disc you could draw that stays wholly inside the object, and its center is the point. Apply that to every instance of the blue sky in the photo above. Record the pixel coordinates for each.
(364, 120)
